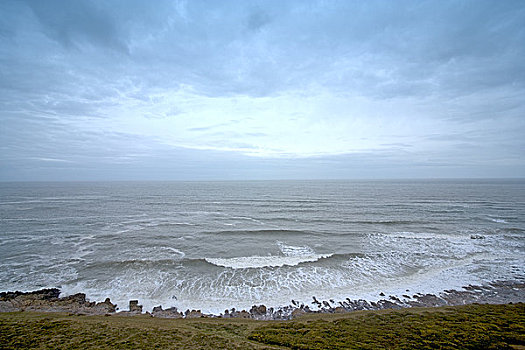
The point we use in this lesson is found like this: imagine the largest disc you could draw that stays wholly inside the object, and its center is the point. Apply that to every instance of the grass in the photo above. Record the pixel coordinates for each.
(460, 327)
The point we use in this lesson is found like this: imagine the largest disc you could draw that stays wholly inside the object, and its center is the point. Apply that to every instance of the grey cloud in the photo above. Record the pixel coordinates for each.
(73, 60)
(303, 44)
(257, 20)
(73, 23)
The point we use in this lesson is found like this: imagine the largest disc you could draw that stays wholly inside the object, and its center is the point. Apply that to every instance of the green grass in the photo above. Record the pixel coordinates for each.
(465, 327)
(462, 327)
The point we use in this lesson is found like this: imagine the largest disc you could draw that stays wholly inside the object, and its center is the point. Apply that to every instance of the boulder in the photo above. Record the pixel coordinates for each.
(105, 307)
(298, 312)
(168, 313)
(193, 314)
(244, 314)
(134, 307)
(157, 309)
(258, 310)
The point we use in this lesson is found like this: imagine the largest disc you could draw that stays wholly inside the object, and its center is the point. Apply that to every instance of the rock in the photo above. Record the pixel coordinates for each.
(105, 307)
(7, 306)
(298, 312)
(134, 307)
(339, 310)
(157, 309)
(387, 304)
(193, 314)
(428, 300)
(258, 310)
(79, 298)
(243, 314)
(47, 300)
(42, 294)
(168, 313)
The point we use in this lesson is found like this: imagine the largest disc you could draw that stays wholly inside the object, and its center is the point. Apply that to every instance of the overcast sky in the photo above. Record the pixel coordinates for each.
(200, 90)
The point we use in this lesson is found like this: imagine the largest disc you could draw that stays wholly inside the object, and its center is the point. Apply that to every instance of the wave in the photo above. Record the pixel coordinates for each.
(245, 262)
(295, 251)
(292, 256)
(497, 220)
(261, 232)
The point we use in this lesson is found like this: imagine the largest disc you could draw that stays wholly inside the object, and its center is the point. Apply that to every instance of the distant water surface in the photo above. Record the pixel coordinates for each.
(215, 245)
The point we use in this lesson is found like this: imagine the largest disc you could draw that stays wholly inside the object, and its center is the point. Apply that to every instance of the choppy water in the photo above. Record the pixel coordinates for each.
(215, 245)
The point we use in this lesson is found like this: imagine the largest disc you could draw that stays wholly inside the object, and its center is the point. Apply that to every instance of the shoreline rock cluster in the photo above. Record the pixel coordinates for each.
(48, 300)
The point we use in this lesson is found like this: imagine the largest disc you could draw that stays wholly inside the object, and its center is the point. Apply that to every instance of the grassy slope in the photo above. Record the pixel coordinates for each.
(464, 327)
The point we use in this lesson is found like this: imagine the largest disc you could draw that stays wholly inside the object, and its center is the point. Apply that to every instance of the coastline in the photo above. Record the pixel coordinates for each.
(473, 326)
(49, 300)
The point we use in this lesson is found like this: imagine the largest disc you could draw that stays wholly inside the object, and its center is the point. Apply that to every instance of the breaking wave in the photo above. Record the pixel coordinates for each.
(245, 262)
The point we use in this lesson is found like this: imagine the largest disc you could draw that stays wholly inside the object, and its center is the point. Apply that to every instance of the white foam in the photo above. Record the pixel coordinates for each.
(500, 221)
(244, 262)
(293, 251)
(150, 254)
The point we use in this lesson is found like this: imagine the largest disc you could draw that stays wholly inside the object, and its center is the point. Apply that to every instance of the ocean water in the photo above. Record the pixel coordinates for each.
(217, 245)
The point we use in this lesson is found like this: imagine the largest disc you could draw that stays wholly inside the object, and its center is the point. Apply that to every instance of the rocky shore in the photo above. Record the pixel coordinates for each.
(49, 300)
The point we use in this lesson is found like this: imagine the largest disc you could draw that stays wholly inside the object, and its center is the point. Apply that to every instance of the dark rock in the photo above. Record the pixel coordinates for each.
(386, 304)
(79, 298)
(258, 310)
(306, 308)
(168, 313)
(427, 300)
(42, 294)
(47, 300)
(105, 307)
(157, 308)
(194, 314)
(240, 314)
(134, 307)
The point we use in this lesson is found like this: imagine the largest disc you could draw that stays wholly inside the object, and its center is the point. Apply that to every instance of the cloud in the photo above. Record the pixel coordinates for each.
(405, 85)
(77, 23)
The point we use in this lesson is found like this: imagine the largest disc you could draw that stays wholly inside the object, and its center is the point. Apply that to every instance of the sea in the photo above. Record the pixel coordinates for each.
(218, 245)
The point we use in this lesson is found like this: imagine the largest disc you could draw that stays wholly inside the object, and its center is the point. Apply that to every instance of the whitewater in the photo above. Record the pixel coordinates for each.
(217, 245)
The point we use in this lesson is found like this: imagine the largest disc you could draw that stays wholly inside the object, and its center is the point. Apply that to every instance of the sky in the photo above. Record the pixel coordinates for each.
(240, 90)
